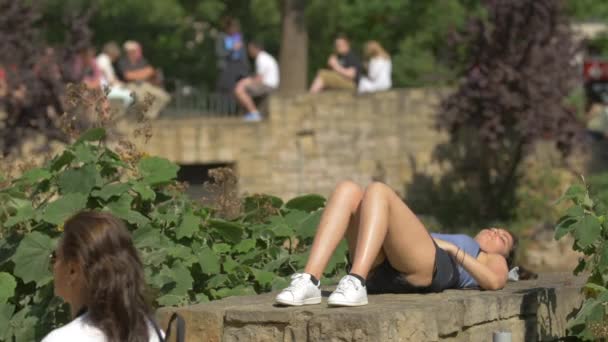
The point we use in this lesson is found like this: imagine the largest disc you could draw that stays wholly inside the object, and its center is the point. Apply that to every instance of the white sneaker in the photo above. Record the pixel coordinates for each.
(253, 117)
(301, 291)
(349, 292)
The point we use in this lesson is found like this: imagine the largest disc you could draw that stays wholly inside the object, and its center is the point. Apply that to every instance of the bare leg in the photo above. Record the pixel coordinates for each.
(337, 221)
(317, 85)
(240, 91)
(388, 224)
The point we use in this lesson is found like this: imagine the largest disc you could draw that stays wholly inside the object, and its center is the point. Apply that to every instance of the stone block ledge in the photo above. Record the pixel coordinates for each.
(534, 310)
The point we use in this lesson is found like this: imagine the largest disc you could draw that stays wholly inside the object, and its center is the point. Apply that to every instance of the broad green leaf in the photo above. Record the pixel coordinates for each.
(575, 211)
(183, 253)
(306, 203)
(171, 300)
(279, 283)
(157, 170)
(308, 227)
(217, 281)
(210, 264)
(6, 312)
(259, 201)
(61, 209)
(93, 134)
(24, 213)
(263, 277)
(122, 209)
(32, 258)
(81, 180)
(565, 226)
(7, 287)
(603, 259)
(339, 257)
(188, 226)
(221, 248)
(84, 154)
(245, 246)
(146, 236)
(183, 279)
(295, 217)
(279, 227)
(587, 231)
(229, 265)
(144, 190)
(36, 175)
(111, 190)
(229, 231)
(240, 290)
(64, 159)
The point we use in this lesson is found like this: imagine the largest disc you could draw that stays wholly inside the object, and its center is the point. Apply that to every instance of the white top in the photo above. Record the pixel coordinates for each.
(81, 330)
(104, 63)
(267, 67)
(379, 76)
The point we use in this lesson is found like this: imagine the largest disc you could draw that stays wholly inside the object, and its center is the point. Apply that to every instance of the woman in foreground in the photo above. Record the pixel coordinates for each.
(98, 272)
(392, 252)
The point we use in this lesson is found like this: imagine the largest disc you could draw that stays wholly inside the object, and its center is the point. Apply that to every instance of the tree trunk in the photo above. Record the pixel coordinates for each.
(294, 47)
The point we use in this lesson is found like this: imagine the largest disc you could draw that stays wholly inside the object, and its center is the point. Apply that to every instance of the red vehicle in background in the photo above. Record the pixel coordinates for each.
(595, 77)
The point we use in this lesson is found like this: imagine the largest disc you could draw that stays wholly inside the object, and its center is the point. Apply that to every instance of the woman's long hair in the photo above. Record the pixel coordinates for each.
(114, 284)
(374, 49)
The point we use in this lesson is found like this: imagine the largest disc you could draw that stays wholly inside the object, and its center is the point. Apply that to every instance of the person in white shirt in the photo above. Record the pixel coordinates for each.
(379, 69)
(265, 80)
(109, 55)
(98, 272)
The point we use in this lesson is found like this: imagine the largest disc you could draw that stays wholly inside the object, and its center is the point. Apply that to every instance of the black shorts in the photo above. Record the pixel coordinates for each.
(386, 279)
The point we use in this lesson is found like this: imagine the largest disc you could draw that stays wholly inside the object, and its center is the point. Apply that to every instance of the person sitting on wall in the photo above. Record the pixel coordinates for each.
(142, 78)
(105, 61)
(344, 69)
(379, 68)
(265, 80)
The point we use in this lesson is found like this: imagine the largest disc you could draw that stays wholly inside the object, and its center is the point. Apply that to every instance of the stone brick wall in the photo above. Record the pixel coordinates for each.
(535, 310)
(309, 143)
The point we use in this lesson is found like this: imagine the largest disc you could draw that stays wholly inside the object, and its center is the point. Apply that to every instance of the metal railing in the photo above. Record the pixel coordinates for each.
(189, 101)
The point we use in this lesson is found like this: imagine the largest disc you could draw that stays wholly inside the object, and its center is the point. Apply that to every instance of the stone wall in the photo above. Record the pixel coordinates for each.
(531, 310)
(309, 143)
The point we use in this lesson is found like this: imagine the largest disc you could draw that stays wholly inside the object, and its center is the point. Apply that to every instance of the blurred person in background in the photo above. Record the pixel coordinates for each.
(265, 80)
(344, 69)
(105, 61)
(379, 68)
(142, 79)
(231, 56)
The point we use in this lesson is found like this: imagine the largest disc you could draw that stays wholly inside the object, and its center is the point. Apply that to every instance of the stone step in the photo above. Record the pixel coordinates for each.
(534, 310)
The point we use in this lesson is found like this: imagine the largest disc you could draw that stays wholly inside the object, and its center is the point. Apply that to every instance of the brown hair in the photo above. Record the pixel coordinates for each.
(114, 283)
(512, 253)
(374, 49)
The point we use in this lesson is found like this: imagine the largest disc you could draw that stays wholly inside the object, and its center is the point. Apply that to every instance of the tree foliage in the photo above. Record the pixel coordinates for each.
(519, 70)
(191, 252)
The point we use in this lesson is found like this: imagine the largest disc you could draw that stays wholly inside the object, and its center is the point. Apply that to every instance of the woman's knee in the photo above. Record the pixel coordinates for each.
(377, 188)
(350, 189)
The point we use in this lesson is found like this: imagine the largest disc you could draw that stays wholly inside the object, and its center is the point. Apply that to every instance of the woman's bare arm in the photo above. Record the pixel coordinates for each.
(490, 276)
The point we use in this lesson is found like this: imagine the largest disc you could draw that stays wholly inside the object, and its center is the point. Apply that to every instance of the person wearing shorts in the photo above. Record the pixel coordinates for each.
(392, 252)
(344, 69)
(265, 80)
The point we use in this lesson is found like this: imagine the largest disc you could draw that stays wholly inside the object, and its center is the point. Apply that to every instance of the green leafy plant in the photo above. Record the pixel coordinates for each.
(191, 253)
(584, 221)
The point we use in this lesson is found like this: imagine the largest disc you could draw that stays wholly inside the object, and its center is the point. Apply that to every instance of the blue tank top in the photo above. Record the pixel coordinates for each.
(470, 246)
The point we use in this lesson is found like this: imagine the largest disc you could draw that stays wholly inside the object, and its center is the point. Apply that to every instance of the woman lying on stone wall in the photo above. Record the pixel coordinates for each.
(392, 252)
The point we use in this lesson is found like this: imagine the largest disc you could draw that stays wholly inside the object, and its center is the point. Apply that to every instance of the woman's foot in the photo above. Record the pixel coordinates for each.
(350, 292)
(301, 291)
